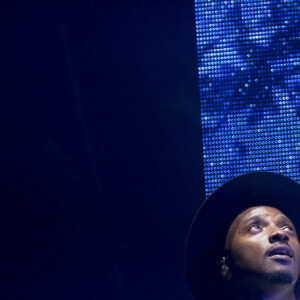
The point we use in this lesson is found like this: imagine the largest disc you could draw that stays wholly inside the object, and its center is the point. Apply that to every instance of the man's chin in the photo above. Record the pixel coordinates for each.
(279, 277)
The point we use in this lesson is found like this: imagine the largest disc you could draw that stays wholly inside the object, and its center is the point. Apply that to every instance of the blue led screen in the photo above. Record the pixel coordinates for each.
(249, 72)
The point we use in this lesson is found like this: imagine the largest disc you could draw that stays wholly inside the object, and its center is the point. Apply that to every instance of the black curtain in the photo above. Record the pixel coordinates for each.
(101, 148)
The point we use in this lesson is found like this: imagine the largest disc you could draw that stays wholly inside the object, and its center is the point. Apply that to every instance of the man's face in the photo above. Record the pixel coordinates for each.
(263, 241)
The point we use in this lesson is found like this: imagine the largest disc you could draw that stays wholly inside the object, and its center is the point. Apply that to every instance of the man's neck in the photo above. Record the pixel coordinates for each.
(265, 296)
(263, 291)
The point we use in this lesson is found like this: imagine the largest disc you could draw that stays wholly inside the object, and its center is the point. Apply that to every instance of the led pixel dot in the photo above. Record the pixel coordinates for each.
(249, 76)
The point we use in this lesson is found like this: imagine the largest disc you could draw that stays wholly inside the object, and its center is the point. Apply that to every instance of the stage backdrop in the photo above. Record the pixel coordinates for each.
(249, 72)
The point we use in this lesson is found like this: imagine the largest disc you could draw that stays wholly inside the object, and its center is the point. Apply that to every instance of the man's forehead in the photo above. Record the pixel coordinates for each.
(257, 211)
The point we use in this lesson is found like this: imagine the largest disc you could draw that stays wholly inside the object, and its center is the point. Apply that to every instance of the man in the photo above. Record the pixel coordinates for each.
(243, 242)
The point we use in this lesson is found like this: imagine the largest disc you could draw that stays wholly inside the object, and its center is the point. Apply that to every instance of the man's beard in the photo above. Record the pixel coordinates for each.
(279, 277)
(275, 277)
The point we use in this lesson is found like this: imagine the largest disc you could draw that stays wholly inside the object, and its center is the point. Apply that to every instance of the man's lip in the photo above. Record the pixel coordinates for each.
(282, 250)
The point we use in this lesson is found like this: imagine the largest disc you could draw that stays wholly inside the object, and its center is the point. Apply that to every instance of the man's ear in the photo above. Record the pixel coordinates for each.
(225, 269)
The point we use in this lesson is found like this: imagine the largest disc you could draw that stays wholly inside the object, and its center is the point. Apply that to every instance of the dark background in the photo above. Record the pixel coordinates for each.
(101, 150)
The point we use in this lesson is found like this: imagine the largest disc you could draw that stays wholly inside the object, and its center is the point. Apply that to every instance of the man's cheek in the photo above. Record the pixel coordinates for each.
(297, 255)
(245, 255)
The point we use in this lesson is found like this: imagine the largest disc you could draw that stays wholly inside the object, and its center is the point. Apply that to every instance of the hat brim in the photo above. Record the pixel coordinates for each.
(206, 239)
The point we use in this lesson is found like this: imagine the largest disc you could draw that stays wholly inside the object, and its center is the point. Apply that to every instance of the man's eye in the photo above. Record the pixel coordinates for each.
(287, 228)
(254, 227)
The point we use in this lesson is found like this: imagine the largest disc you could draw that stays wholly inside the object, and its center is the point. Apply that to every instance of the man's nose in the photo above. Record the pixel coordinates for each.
(279, 236)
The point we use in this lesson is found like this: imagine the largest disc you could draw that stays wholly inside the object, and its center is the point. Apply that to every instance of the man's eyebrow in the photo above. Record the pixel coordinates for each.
(284, 218)
(254, 218)
(260, 218)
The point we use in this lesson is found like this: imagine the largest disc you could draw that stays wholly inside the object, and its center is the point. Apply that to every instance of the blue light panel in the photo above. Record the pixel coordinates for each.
(249, 71)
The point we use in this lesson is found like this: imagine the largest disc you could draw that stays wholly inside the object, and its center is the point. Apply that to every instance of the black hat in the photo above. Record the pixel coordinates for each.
(206, 239)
